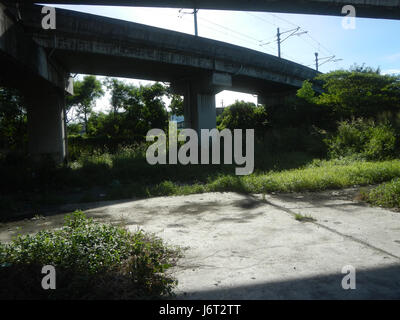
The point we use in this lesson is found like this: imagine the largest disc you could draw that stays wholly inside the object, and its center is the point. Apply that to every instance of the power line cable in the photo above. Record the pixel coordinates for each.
(319, 47)
(251, 41)
(221, 26)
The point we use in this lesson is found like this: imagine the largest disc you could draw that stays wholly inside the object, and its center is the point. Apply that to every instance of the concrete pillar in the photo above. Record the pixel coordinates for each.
(46, 125)
(199, 110)
(199, 98)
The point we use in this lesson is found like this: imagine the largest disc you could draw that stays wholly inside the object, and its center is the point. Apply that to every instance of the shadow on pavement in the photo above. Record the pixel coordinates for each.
(379, 283)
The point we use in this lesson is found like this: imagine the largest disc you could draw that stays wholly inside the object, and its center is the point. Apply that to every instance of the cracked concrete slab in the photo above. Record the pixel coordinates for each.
(251, 247)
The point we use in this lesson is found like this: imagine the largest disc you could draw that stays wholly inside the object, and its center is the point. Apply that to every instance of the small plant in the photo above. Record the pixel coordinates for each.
(385, 195)
(302, 218)
(92, 261)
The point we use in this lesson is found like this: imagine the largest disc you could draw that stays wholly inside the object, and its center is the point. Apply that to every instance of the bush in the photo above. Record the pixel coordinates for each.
(92, 261)
(364, 138)
(243, 115)
(385, 195)
(295, 139)
(381, 144)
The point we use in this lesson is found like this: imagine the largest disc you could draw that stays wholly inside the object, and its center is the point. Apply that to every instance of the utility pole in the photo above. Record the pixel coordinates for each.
(278, 35)
(326, 60)
(194, 13)
(294, 32)
(195, 21)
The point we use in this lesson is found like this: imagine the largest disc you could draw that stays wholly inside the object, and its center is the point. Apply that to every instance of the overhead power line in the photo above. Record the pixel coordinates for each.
(327, 59)
(261, 43)
(317, 46)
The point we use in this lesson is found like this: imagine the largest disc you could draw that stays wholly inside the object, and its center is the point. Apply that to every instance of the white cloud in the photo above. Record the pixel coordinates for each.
(391, 71)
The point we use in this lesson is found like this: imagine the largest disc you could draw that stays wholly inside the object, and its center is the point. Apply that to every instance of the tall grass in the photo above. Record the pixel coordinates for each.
(126, 174)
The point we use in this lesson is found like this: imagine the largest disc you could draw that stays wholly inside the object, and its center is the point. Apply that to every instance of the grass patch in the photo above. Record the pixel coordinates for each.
(127, 175)
(320, 175)
(92, 261)
(385, 195)
(304, 218)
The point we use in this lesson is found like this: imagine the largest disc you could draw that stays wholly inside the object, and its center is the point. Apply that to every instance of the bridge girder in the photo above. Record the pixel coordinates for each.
(382, 9)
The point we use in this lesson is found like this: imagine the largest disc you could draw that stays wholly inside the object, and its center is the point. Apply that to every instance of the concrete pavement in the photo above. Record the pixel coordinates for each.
(251, 247)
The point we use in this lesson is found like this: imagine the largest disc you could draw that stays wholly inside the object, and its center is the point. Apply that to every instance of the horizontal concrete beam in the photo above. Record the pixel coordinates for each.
(211, 83)
(384, 9)
(22, 59)
(92, 44)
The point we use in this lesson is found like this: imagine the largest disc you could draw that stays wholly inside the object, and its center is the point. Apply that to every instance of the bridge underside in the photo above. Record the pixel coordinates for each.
(383, 9)
(39, 62)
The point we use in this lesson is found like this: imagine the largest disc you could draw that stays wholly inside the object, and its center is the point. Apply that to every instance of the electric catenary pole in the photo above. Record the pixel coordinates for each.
(294, 32)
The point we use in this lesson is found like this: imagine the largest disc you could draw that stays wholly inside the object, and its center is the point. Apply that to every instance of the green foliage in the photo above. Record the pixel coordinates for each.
(359, 92)
(364, 138)
(121, 94)
(321, 175)
(304, 218)
(74, 129)
(304, 139)
(86, 92)
(89, 257)
(176, 105)
(242, 115)
(385, 195)
(306, 92)
(80, 146)
(135, 110)
(13, 120)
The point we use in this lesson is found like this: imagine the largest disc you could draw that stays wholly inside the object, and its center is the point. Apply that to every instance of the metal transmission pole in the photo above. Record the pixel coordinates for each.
(278, 37)
(181, 13)
(328, 59)
(294, 32)
(195, 21)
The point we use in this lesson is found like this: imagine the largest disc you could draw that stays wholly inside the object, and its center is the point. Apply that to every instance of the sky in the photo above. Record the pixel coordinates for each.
(375, 42)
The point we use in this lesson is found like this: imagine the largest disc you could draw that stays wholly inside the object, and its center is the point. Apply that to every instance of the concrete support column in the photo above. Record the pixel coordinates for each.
(199, 110)
(46, 125)
(199, 98)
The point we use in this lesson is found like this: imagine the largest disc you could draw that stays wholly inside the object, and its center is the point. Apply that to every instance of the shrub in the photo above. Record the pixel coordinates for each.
(92, 261)
(364, 138)
(381, 144)
(385, 195)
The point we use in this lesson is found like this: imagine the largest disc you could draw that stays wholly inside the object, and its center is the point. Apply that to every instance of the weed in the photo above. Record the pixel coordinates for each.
(92, 261)
(385, 195)
(304, 218)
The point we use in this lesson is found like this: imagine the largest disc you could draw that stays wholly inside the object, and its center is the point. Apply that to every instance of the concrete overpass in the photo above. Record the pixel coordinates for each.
(384, 9)
(39, 62)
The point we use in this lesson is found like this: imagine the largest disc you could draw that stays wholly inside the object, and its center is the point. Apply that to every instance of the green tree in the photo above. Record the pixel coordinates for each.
(176, 105)
(86, 92)
(121, 94)
(306, 92)
(154, 112)
(13, 119)
(135, 110)
(243, 115)
(359, 92)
